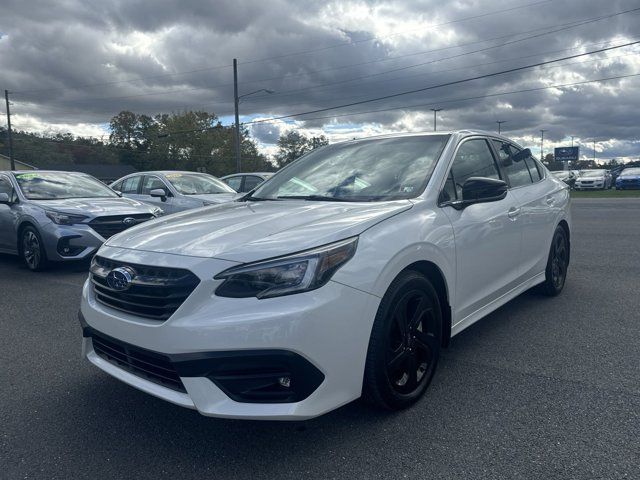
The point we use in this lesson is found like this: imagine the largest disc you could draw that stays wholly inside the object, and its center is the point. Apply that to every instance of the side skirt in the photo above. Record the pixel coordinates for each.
(497, 303)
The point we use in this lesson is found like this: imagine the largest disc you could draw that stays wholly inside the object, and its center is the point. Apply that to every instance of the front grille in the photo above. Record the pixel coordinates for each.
(109, 226)
(154, 292)
(149, 365)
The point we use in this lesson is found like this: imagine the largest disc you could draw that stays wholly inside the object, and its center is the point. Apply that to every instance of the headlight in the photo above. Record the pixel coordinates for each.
(295, 273)
(64, 218)
(157, 212)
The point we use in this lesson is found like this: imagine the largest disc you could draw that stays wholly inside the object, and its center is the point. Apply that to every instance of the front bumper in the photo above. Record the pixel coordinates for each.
(328, 329)
(590, 186)
(69, 242)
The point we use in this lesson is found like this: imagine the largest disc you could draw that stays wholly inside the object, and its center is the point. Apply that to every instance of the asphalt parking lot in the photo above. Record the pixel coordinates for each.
(542, 388)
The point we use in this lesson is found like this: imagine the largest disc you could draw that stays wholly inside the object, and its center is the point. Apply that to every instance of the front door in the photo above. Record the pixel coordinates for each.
(487, 235)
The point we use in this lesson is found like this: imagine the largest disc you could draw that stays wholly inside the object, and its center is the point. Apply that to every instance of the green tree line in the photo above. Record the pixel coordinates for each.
(191, 140)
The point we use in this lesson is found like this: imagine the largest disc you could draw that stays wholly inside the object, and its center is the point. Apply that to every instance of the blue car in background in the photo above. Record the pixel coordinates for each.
(629, 178)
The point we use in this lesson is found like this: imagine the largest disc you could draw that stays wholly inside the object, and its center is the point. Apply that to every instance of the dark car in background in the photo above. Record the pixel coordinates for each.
(245, 182)
(61, 216)
(629, 178)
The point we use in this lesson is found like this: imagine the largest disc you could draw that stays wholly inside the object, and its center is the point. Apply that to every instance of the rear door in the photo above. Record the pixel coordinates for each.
(487, 235)
(130, 186)
(535, 195)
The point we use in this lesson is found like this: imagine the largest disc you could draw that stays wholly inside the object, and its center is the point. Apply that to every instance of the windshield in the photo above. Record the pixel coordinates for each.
(593, 173)
(198, 184)
(630, 171)
(366, 170)
(61, 185)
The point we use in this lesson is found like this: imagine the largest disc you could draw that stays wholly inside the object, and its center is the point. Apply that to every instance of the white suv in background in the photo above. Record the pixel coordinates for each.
(344, 274)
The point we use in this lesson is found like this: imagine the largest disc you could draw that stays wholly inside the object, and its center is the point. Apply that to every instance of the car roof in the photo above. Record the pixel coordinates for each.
(264, 174)
(43, 171)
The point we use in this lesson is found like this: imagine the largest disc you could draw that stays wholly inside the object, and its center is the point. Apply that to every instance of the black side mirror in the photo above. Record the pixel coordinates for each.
(521, 155)
(480, 190)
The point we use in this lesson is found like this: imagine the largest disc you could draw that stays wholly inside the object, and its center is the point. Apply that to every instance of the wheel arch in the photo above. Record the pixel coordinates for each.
(434, 274)
(565, 226)
(24, 224)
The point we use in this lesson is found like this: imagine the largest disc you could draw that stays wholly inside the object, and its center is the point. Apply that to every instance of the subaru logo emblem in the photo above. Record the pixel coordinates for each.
(129, 221)
(120, 278)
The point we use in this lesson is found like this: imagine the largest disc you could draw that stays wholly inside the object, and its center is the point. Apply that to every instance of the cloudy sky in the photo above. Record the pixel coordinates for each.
(73, 64)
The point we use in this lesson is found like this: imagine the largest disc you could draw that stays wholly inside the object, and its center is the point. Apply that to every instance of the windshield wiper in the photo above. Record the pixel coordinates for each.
(317, 198)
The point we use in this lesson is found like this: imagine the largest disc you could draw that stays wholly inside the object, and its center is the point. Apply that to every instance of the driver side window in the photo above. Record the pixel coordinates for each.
(473, 159)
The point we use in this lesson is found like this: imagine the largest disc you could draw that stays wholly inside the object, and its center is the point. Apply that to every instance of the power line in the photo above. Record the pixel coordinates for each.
(492, 63)
(477, 97)
(455, 82)
(407, 67)
(431, 87)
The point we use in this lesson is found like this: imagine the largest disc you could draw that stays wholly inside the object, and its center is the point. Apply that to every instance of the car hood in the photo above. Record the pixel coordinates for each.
(248, 231)
(95, 206)
(216, 197)
(582, 179)
(629, 177)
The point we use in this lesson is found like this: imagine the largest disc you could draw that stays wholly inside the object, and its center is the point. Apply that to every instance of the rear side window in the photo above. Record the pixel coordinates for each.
(234, 182)
(131, 184)
(251, 182)
(534, 169)
(473, 159)
(517, 171)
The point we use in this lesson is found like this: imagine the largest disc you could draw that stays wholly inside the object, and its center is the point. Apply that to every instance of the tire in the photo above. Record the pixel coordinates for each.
(557, 264)
(32, 250)
(405, 343)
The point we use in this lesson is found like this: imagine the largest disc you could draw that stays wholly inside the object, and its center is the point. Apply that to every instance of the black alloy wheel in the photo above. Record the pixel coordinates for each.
(405, 343)
(557, 264)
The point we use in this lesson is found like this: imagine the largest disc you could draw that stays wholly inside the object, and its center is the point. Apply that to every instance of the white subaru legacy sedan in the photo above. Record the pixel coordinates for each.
(343, 275)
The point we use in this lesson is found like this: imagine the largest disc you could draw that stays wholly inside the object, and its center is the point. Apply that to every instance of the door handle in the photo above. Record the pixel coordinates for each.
(513, 212)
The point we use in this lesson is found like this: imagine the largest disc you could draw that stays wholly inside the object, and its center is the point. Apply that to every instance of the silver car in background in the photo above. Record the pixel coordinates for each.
(175, 191)
(245, 182)
(61, 216)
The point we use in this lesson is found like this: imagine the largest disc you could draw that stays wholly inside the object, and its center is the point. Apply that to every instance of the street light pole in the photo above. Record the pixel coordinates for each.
(236, 101)
(572, 137)
(542, 145)
(500, 122)
(594, 151)
(9, 133)
(435, 119)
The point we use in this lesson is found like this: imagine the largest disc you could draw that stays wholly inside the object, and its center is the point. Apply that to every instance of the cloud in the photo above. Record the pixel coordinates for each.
(170, 56)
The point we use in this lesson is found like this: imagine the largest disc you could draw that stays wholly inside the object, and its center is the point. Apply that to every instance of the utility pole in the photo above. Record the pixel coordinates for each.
(542, 145)
(500, 122)
(6, 98)
(236, 101)
(572, 137)
(594, 151)
(435, 119)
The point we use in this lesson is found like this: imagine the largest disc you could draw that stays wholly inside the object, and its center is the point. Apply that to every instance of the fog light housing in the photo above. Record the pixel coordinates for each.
(65, 249)
(255, 376)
